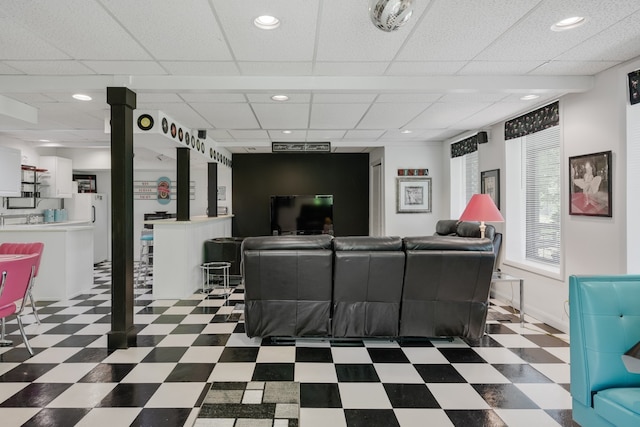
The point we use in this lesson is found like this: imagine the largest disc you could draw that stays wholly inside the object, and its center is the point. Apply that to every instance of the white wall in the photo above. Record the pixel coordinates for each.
(423, 155)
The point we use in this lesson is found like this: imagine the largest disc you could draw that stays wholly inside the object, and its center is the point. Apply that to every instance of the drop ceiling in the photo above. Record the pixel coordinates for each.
(456, 66)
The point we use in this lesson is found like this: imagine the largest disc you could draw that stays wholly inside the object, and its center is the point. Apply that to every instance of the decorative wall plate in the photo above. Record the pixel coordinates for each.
(165, 125)
(180, 135)
(174, 130)
(145, 122)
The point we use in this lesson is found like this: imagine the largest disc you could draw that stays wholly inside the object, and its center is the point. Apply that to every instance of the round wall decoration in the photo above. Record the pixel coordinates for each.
(202, 147)
(174, 130)
(186, 138)
(211, 152)
(165, 125)
(145, 122)
(180, 135)
(198, 145)
(193, 141)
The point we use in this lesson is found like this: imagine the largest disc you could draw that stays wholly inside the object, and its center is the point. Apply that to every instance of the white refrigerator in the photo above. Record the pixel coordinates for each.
(92, 207)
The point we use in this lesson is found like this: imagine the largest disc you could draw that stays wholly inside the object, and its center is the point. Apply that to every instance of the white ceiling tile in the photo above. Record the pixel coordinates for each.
(496, 68)
(473, 97)
(294, 98)
(364, 134)
(292, 41)
(325, 135)
(50, 67)
(340, 116)
(202, 97)
(249, 134)
(282, 116)
(265, 68)
(189, 29)
(219, 134)
(231, 116)
(424, 68)
(385, 115)
(295, 135)
(80, 28)
(457, 30)
(99, 98)
(444, 115)
(6, 69)
(182, 113)
(368, 68)
(201, 68)
(404, 98)
(573, 68)
(490, 115)
(18, 43)
(31, 98)
(155, 98)
(343, 98)
(125, 67)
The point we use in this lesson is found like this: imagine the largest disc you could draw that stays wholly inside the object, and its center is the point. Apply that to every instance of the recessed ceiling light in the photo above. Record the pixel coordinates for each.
(569, 23)
(44, 140)
(406, 131)
(529, 97)
(280, 97)
(286, 131)
(81, 97)
(266, 22)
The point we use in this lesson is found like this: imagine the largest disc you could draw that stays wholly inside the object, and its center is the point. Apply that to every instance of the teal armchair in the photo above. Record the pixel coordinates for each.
(604, 324)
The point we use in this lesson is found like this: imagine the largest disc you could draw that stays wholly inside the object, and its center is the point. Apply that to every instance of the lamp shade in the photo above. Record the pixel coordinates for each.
(481, 208)
(631, 359)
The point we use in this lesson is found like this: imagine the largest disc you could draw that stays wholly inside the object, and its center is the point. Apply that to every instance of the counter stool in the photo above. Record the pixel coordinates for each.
(215, 269)
(146, 255)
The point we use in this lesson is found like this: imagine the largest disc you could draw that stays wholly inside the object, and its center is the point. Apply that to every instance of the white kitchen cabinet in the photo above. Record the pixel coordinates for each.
(57, 183)
(10, 176)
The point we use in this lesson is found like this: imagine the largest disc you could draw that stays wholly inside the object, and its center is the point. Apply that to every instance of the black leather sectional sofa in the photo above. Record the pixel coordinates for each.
(431, 286)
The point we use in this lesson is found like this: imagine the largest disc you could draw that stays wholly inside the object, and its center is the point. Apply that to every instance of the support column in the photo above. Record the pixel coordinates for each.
(122, 102)
(212, 189)
(184, 176)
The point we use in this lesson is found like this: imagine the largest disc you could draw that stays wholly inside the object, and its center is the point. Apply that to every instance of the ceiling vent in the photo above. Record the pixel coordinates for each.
(300, 147)
(389, 15)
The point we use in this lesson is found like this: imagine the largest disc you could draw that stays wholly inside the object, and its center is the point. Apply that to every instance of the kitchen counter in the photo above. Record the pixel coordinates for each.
(178, 248)
(66, 266)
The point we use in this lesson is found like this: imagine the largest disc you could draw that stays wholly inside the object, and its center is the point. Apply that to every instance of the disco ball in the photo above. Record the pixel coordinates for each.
(389, 15)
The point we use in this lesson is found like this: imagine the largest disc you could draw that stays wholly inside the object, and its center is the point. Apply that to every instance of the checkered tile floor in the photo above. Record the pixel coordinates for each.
(188, 350)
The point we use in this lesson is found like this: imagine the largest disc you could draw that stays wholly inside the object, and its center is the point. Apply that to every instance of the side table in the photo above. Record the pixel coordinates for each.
(207, 270)
(499, 276)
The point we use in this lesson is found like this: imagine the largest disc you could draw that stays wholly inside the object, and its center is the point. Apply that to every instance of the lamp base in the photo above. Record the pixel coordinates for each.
(482, 228)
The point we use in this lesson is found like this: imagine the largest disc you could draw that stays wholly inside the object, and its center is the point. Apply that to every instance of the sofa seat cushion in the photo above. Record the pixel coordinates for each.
(619, 406)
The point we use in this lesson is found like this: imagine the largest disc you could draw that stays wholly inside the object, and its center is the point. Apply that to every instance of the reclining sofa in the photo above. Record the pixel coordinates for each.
(604, 324)
(431, 286)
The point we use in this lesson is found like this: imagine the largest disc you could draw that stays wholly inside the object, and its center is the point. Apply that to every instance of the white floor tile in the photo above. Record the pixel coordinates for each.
(315, 373)
(129, 355)
(242, 340)
(445, 343)
(380, 343)
(202, 354)
(363, 396)
(547, 396)
(157, 329)
(109, 417)
(85, 319)
(562, 353)
(526, 418)
(197, 319)
(95, 329)
(16, 416)
(398, 373)
(322, 417)
(75, 310)
(34, 328)
(497, 355)
(53, 355)
(350, 355)
(9, 389)
(513, 341)
(7, 366)
(232, 372)
(144, 319)
(46, 340)
(219, 328)
(556, 372)
(66, 373)
(178, 340)
(163, 303)
(276, 354)
(214, 422)
(176, 395)
(480, 373)
(101, 342)
(428, 355)
(457, 396)
(309, 342)
(82, 395)
(252, 396)
(179, 310)
(411, 417)
(149, 373)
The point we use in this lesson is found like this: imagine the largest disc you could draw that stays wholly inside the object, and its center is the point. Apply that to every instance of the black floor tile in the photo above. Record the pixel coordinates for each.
(66, 329)
(148, 340)
(48, 310)
(469, 418)
(563, 417)
(535, 355)
(546, 340)
(58, 318)
(484, 341)
(415, 342)
(461, 355)
(129, 395)
(205, 310)
(314, 354)
(356, 372)
(108, 373)
(187, 303)
(188, 329)
(170, 318)
(439, 373)
(161, 417)
(190, 372)
(235, 410)
(211, 340)
(105, 319)
(165, 355)
(153, 310)
(57, 417)
(410, 396)
(320, 395)
(239, 354)
(219, 318)
(547, 328)
(239, 329)
(26, 372)
(273, 372)
(17, 354)
(89, 355)
(89, 303)
(78, 341)
(519, 373)
(98, 310)
(35, 395)
(371, 418)
(504, 396)
(387, 355)
(497, 328)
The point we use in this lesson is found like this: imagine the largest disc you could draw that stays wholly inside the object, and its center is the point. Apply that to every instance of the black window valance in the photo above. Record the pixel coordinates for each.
(466, 146)
(535, 121)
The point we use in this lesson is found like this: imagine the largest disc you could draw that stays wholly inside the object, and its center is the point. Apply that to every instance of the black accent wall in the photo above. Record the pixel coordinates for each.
(256, 177)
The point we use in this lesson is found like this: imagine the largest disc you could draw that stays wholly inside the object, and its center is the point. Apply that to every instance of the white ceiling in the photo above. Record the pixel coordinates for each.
(456, 66)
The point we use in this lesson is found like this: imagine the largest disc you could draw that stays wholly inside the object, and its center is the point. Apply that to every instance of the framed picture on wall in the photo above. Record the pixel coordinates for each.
(590, 184)
(413, 195)
(490, 184)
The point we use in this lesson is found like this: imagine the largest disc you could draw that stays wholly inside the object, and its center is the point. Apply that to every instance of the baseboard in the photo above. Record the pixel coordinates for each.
(543, 316)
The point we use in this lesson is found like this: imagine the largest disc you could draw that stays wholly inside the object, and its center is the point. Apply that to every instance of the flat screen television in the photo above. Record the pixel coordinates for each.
(300, 214)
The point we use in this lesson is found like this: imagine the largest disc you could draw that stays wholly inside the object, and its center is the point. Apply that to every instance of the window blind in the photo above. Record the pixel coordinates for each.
(472, 178)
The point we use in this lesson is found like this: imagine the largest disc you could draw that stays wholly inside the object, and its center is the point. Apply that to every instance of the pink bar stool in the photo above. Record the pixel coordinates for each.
(26, 249)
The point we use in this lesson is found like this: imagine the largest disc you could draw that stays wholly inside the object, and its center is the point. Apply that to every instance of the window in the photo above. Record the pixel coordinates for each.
(533, 199)
(465, 181)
